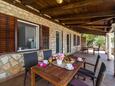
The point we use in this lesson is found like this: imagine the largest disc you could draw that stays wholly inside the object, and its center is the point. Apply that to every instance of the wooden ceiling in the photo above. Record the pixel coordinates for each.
(84, 16)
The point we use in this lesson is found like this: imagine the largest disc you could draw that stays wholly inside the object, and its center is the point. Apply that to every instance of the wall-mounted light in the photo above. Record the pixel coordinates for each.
(59, 1)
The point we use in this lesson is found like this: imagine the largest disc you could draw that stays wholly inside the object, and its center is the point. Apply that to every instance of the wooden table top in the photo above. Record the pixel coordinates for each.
(56, 75)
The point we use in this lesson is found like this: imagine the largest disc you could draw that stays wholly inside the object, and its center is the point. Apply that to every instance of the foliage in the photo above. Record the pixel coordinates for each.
(99, 40)
(90, 39)
(94, 40)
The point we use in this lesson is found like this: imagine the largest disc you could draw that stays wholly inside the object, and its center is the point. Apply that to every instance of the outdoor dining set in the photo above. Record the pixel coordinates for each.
(61, 70)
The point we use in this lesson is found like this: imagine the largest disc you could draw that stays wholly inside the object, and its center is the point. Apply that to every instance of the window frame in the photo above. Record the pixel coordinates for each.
(37, 35)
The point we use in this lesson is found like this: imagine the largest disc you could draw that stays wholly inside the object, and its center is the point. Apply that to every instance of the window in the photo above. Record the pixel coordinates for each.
(74, 40)
(78, 40)
(27, 36)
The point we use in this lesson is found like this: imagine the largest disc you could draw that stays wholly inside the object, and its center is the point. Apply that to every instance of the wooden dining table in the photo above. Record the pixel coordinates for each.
(55, 75)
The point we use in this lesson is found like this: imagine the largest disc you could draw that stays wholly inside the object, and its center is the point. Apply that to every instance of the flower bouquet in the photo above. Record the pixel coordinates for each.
(59, 58)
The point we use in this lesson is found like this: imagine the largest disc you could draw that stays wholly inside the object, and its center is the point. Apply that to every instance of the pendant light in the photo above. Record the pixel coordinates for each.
(59, 1)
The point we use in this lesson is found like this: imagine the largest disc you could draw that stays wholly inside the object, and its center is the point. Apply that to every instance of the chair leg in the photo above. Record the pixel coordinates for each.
(48, 84)
(25, 77)
(93, 82)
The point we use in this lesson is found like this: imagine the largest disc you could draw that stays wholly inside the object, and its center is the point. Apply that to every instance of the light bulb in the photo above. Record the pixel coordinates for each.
(59, 1)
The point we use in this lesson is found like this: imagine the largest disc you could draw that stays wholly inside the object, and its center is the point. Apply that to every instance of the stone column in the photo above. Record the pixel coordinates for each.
(113, 30)
(109, 46)
(114, 51)
(106, 43)
(114, 47)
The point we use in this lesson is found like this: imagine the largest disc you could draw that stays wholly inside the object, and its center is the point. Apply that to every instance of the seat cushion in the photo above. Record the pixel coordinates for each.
(47, 54)
(86, 72)
(77, 82)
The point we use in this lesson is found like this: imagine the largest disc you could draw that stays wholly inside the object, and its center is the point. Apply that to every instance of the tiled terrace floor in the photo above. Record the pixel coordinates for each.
(108, 81)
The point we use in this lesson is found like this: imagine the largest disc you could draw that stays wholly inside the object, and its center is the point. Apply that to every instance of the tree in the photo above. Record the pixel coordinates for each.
(99, 40)
(90, 39)
(94, 40)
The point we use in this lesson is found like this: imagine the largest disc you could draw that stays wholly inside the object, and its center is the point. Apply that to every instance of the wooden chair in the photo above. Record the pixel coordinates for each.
(30, 59)
(77, 82)
(86, 72)
(96, 49)
(83, 49)
(47, 54)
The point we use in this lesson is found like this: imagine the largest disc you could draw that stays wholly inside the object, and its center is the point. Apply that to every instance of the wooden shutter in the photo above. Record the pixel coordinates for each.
(7, 33)
(44, 37)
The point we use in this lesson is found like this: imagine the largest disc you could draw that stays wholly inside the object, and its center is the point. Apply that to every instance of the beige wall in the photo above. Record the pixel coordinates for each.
(25, 15)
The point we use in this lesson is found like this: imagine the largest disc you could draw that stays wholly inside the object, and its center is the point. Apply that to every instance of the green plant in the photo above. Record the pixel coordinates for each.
(94, 40)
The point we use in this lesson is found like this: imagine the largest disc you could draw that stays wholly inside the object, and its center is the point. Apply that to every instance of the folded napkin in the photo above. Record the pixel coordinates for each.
(41, 64)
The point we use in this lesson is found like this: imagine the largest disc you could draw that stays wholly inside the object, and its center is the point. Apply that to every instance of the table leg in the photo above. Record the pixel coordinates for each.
(32, 78)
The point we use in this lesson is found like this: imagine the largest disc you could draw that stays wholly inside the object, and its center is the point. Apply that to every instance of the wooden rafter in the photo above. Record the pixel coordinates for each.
(98, 27)
(88, 31)
(87, 15)
(85, 18)
(90, 20)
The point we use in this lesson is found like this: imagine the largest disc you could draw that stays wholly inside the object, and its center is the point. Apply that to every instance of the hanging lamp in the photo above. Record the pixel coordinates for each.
(59, 1)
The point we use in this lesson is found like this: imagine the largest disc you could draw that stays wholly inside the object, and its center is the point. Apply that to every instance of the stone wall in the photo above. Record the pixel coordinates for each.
(11, 64)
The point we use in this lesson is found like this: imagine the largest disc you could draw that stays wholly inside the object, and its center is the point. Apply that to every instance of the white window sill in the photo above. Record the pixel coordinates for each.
(25, 50)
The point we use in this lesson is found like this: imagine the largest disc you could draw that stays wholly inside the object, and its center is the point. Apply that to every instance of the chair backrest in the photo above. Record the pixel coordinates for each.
(101, 74)
(30, 59)
(97, 62)
(47, 54)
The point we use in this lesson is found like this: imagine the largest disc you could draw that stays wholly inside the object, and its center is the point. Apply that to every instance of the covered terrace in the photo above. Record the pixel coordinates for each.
(58, 25)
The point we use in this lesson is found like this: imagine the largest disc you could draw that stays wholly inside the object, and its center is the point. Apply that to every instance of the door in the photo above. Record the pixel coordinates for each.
(68, 43)
(59, 41)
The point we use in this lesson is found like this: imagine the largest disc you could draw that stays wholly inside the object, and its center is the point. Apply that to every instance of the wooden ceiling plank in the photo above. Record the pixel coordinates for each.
(72, 5)
(81, 8)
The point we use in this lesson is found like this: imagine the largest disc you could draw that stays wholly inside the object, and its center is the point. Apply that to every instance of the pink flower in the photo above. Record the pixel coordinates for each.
(60, 56)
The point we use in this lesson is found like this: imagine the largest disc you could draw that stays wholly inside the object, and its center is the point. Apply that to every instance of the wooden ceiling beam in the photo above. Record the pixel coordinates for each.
(84, 18)
(98, 27)
(88, 25)
(75, 22)
(90, 28)
(88, 31)
(110, 13)
(26, 2)
(91, 20)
